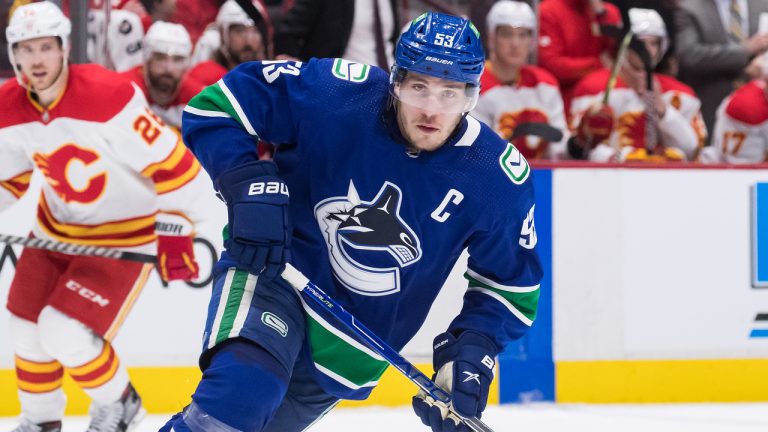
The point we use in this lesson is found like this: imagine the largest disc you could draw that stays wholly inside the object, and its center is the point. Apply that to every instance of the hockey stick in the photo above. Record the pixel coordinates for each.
(541, 130)
(311, 291)
(77, 249)
(261, 24)
(622, 54)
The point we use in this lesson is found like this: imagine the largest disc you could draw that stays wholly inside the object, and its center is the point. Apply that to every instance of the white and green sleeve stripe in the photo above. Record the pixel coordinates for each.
(218, 101)
(521, 301)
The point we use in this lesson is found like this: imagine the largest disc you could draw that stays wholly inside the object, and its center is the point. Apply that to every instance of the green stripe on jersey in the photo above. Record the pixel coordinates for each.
(213, 99)
(232, 306)
(526, 303)
(333, 353)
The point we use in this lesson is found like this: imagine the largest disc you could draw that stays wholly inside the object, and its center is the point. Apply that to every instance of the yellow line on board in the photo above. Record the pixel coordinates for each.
(169, 389)
(662, 381)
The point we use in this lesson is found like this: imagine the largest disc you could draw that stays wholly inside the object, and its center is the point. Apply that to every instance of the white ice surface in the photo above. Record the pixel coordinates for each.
(531, 418)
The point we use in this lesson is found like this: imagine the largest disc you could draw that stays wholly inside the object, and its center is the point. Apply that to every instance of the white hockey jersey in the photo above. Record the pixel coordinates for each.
(117, 44)
(534, 97)
(110, 165)
(741, 129)
(681, 132)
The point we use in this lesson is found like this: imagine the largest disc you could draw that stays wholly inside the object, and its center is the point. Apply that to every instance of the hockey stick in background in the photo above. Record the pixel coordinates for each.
(311, 291)
(538, 129)
(77, 249)
(261, 24)
(622, 54)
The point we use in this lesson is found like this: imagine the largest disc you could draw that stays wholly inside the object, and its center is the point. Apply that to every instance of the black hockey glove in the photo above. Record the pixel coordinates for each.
(259, 228)
(465, 368)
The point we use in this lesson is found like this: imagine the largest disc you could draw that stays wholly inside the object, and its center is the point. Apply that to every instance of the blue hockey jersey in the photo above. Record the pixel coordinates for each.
(376, 227)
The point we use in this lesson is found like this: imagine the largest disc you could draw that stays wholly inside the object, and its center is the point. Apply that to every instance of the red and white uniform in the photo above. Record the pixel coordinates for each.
(207, 72)
(681, 130)
(170, 113)
(124, 32)
(741, 128)
(109, 164)
(533, 98)
(112, 169)
(570, 40)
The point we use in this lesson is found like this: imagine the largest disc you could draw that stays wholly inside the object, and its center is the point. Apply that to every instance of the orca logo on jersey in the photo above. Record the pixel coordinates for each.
(372, 231)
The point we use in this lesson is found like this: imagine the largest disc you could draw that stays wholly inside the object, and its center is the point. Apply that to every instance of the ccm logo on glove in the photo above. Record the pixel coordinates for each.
(272, 187)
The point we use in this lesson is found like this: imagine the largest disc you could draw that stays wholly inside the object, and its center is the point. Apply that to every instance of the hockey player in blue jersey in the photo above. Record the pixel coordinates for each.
(378, 184)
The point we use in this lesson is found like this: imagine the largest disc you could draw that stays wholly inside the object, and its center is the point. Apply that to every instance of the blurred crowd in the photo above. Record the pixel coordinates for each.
(619, 81)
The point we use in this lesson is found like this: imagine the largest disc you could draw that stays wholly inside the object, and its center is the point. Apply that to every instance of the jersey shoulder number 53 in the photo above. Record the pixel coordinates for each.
(274, 68)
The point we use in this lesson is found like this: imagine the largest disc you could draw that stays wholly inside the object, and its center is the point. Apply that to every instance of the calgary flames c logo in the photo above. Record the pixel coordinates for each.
(530, 147)
(70, 183)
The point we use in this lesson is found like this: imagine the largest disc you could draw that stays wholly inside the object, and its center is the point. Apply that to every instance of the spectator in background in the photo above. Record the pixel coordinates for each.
(667, 9)
(167, 48)
(363, 31)
(114, 44)
(478, 11)
(117, 44)
(573, 40)
(149, 10)
(241, 41)
(639, 123)
(210, 41)
(196, 15)
(741, 128)
(5, 65)
(513, 92)
(717, 43)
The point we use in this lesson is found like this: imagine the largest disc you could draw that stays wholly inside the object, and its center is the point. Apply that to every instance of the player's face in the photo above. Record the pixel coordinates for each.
(633, 72)
(41, 60)
(164, 72)
(424, 111)
(163, 10)
(653, 46)
(245, 43)
(511, 45)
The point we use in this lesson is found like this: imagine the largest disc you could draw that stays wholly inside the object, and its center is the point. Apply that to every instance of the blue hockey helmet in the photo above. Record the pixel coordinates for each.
(442, 46)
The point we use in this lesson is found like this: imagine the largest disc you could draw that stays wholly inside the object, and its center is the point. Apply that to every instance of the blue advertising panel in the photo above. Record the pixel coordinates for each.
(526, 367)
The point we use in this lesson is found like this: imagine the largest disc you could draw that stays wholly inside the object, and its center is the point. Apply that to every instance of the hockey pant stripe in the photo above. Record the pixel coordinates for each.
(233, 307)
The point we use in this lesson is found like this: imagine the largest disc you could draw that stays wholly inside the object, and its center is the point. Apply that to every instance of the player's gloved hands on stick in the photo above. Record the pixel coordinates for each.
(175, 251)
(596, 126)
(259, 228)
(465, 368)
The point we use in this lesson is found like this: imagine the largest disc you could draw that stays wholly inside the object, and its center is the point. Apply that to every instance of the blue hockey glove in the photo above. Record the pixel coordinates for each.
(465, 367)
(259, 228)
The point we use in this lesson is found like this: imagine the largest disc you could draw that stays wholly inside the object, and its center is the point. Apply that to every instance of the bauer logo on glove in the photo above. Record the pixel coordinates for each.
(259, 230)
(465, 369)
